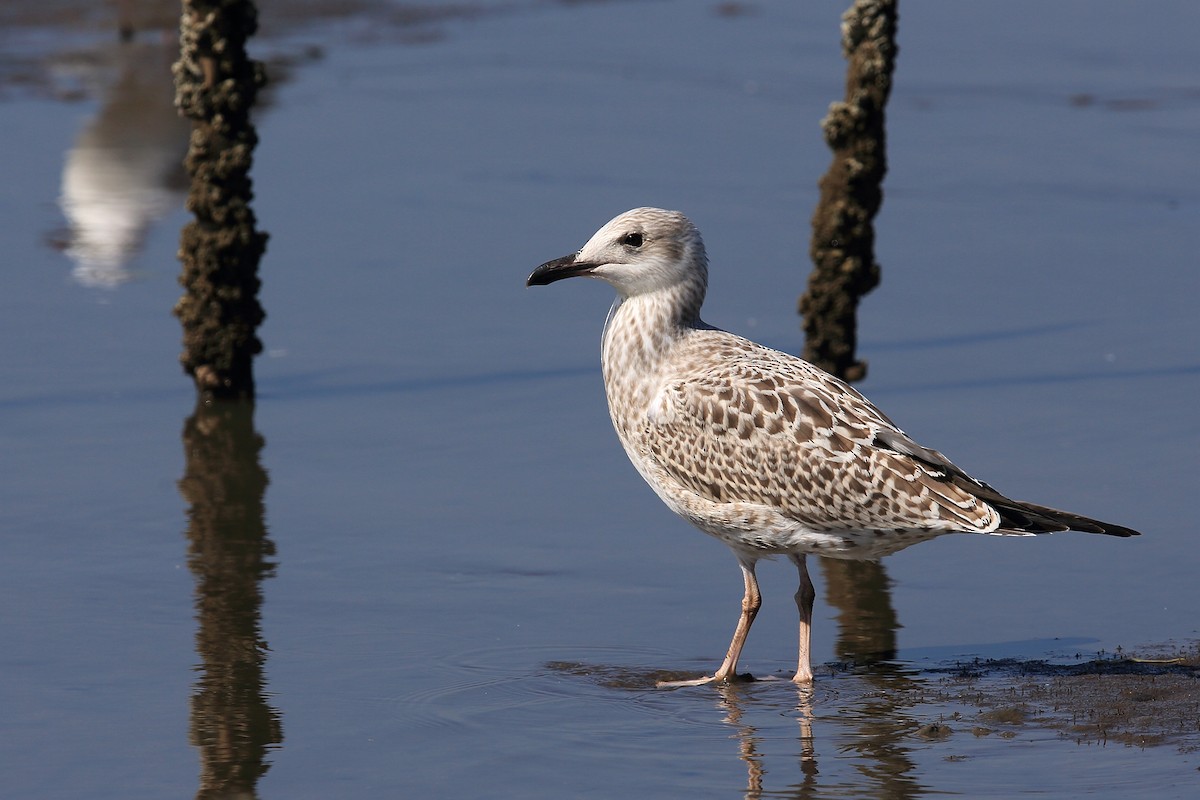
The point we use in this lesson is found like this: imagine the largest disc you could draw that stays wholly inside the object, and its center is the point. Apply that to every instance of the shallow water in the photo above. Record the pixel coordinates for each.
(436, 571)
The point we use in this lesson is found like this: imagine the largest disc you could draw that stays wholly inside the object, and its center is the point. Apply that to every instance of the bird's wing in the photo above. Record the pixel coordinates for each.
(768, 428)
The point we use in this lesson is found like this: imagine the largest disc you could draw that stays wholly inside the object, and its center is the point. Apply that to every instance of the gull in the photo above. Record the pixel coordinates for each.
(758, 448)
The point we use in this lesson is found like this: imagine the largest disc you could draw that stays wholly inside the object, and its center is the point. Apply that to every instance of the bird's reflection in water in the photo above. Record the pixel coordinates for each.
(125, 170)
(733, 704)
(861, 714)
(229, 555)
(855, 728)
(854, 742)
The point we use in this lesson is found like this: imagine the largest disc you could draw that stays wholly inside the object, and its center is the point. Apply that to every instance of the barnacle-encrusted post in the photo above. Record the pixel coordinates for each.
(843, 240)
(216, 84)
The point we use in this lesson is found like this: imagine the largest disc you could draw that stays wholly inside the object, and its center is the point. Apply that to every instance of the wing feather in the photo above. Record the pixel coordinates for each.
(767, 428)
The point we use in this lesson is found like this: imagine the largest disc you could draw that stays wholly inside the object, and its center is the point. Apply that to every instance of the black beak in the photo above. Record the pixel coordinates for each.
(559, 268)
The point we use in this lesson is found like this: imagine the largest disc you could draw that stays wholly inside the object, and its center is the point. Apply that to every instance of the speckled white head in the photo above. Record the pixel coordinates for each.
(641, 251)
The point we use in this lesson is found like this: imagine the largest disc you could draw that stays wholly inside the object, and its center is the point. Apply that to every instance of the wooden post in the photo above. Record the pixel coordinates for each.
(843, 240)
(216, 84)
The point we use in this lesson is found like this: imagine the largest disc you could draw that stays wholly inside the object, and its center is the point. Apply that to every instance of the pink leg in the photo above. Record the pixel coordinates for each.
(804, 602)
(751, 602)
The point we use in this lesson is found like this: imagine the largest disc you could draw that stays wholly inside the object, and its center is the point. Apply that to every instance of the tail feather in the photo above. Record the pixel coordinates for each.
(1032, 518)
(1017, 516)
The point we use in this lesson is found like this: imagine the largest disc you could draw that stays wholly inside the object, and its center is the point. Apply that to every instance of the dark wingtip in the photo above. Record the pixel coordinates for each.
(1118, 530)
(1042, 519)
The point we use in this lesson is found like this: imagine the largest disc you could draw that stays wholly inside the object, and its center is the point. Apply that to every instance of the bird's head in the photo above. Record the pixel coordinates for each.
(641, 251)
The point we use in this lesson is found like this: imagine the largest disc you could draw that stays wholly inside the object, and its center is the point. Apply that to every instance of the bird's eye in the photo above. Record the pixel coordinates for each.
(632, 239)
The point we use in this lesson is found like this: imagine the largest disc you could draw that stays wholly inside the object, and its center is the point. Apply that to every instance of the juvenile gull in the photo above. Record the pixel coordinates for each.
(758, 448)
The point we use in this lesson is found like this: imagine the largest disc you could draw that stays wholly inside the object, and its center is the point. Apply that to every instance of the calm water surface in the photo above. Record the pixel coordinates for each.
(424, 564)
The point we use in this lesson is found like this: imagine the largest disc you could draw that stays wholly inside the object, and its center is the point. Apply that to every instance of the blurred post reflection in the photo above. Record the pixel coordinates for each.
(229, 554)
(867, 623)
(125, 170)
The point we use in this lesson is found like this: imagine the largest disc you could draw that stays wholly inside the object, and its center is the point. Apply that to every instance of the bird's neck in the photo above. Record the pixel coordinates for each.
(639, 334)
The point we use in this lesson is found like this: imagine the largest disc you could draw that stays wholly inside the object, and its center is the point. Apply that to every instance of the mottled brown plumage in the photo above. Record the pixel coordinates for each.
(759, 448)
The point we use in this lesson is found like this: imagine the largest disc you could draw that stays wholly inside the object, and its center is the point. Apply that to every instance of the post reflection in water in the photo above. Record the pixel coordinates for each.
(862, 717)
(229, 554)
(867, 623)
